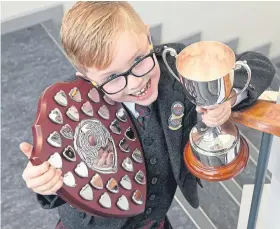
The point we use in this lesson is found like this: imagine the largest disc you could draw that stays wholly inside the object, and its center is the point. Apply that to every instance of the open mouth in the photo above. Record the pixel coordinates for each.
(143, 91)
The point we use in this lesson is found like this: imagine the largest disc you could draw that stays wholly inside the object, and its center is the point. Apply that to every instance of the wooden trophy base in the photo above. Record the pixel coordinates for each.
(220, 173)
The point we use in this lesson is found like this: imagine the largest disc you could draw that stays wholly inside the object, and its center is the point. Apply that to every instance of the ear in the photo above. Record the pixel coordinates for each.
(79, 74)
(148, 31)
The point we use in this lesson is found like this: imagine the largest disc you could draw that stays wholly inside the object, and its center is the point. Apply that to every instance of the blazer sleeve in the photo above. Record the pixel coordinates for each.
(262, 71)
(49, 201)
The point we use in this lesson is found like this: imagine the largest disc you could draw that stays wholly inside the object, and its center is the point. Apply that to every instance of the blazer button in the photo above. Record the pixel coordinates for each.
(153, 161)
(154, 180)
(148, 141)
(148, 211)
(251, 87)
(152, 197)
(82, 214)
(157, 50)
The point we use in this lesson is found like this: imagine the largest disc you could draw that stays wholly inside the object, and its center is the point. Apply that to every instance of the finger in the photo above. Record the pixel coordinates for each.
(219, 113)
(41, 180)
(215, 112)
(52, 182)
(57, 186)
(216, 122)
(26, 148)
(215, 118)
(32, 171)
(52, 191)
(79, 74)
(102, 160)
(200, 109)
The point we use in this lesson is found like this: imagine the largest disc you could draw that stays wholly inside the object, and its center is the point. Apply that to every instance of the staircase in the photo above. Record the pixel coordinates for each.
(35, 54)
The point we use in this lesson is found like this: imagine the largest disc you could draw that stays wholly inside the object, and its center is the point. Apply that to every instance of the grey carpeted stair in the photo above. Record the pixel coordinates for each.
(190, 39)
(276, 81)
(30, 62)
(156, 32)
(233, 44)
(263, 49)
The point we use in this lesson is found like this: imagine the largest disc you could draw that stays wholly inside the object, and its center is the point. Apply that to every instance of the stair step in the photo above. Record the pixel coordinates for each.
(233, 44)
(251, 134)
(198, 216)
(246, 205)
(30, 63)
(248, 175)
(218, 205)
(156, 34)
(276, 61)
(233, 188)
(190, 39)
(263, 49)
(179, 218)
(253, 138)
(52, 30)
(275, 83)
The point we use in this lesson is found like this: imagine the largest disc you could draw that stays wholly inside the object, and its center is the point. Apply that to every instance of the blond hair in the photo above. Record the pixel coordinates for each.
(90, 30)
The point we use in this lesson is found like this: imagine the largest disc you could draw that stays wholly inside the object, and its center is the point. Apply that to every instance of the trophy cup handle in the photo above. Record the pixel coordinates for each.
(239, 65)
(173, 52)
(201, 126)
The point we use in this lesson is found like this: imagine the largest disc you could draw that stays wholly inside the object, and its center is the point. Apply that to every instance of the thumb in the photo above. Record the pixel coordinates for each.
(79, 74)
(200, 109)
(26, 148)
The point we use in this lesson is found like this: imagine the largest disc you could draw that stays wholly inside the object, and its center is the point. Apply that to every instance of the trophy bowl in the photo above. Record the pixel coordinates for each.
(206, 70)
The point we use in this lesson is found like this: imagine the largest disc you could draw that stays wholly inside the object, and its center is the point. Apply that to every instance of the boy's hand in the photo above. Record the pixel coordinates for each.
(216, 116)
(42, 179)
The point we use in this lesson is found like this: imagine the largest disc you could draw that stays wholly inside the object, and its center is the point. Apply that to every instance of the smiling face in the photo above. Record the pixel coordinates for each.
(129, 49)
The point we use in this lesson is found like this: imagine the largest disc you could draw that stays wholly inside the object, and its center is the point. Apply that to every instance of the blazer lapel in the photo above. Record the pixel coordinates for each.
(169, 92)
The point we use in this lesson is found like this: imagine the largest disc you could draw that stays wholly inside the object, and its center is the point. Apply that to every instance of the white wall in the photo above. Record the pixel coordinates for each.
(255, 23)
(14, 9)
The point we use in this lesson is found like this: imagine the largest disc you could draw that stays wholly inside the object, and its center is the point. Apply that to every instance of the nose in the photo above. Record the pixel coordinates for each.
(134, 82)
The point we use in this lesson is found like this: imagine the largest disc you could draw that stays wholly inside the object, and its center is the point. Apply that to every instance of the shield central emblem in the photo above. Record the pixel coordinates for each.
(95, 146)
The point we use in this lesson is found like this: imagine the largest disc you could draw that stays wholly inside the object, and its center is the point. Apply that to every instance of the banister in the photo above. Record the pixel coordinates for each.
(263, 116)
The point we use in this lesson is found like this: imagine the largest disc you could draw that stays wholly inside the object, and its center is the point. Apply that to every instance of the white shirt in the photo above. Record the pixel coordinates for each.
(241, 97)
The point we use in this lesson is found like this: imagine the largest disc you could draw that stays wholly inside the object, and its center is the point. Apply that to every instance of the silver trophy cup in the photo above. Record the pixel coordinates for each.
(206, 70)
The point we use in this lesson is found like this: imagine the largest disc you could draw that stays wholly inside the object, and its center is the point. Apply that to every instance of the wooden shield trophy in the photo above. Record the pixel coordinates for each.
(93, 141)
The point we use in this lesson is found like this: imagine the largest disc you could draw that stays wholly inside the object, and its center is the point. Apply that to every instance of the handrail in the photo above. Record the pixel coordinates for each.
(263, 116)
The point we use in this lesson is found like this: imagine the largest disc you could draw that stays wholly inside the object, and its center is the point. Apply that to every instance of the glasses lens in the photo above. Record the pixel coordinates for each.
(144, 66)
(115, 85)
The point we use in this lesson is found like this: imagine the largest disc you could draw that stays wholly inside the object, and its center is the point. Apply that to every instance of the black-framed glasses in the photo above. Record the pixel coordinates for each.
(117, 82)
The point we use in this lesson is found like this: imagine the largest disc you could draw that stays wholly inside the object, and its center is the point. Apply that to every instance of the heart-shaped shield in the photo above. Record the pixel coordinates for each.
(93, 141)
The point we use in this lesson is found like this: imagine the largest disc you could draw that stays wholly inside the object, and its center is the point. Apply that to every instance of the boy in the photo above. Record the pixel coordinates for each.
(103, 40)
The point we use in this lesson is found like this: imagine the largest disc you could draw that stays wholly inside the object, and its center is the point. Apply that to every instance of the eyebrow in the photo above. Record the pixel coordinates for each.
(111, 72)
